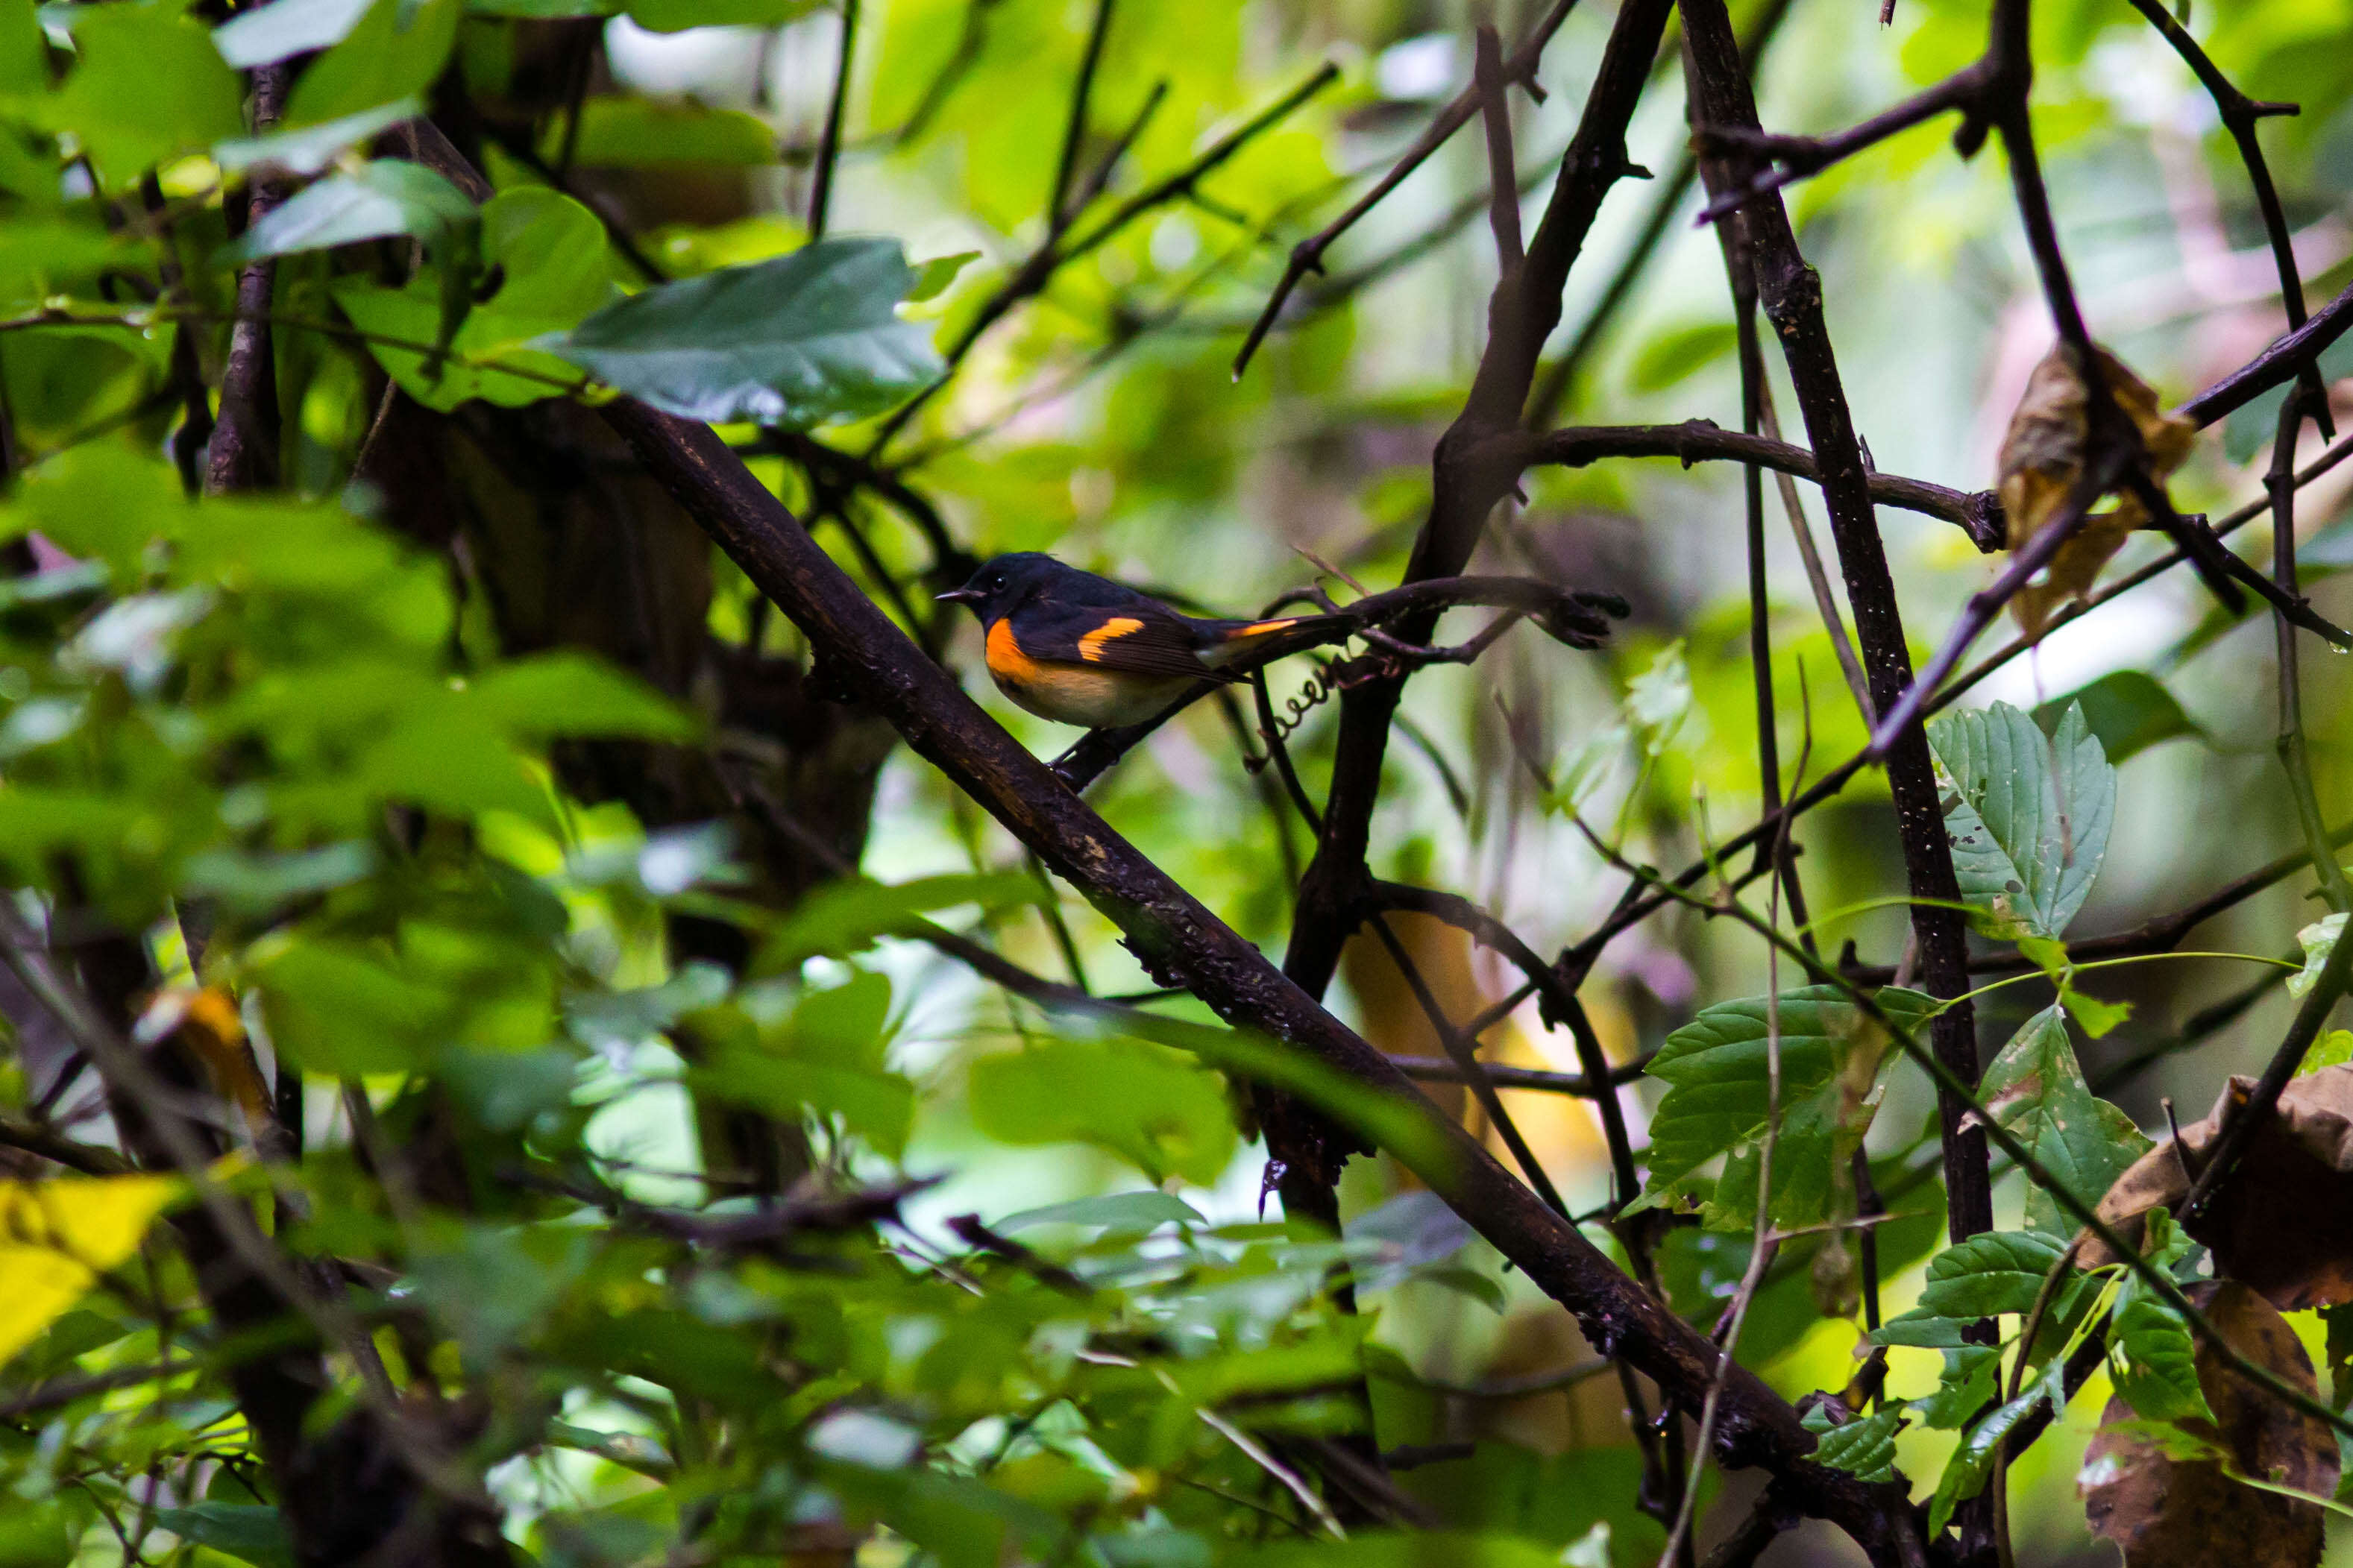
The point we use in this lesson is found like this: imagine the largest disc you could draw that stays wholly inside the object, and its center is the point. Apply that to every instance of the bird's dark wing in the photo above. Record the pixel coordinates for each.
(1140, 636)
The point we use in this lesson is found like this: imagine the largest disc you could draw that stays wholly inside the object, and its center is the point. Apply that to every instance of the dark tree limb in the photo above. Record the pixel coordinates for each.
(242, 453)
(1791, 296)
(828, 147)
(1978, 513)
(1181, 943)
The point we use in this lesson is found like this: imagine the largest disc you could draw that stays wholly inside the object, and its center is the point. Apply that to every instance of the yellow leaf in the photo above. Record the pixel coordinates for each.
(56, 1238)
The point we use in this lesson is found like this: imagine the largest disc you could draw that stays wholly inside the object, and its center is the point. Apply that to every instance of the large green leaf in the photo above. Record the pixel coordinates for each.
(1716, 1067)
(389, 197)
(2029, 816)
(555, 266)
(396, 50)
(1144, 1103)
(250, 1532)
(2036, 1089)
(1972, 1461)
(799, 340)
(149, 85)
(1986, 1276)
(644, 132)
(848, 915)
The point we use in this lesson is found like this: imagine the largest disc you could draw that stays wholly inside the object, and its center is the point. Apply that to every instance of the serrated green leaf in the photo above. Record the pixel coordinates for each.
(800, 341)
(2157, 1370)
(1966, 1387)
(2036, 1090)
(1716, 1069)
(1863, 1446)
(1972, 1461)
(1983, 1277)
(2318, 940)
(2029, 817)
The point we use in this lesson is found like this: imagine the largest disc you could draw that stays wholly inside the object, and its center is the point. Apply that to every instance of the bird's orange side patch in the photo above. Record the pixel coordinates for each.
(1005, 659)
(1090, 644)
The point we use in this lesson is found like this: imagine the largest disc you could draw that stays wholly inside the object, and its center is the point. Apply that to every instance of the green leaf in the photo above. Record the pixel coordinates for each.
(2158, 1360)
(827, 1054)
(389, 197)
(284, 28)
(149, 86)
(848, 915)
(1984, 1277)
(1419, 1549)
(398, 50)
(310, 150)
(934, 278)
(250, 1532)
(2036, 1090)
(1717, 1067)
(1967, 1385)
(1149, 1106)
(799, 341)
(575, 694)
(2318, 940)
(555, 267)
(1671, 356)
(1863, 1446)
(1121, 1213)
(2029, 817)
(2333, 1049)
(24, 52)
(649, 133)
(677, 16)
(1659, 700)
(1966, 1472)
(2128, 711)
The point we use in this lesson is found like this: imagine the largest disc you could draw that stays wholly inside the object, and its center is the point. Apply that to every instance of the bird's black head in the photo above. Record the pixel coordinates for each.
(1002, 583)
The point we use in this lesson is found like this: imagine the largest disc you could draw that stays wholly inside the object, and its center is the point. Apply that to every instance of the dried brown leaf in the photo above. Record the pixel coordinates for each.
(2284, 1223)
(2171, 1503)
(2042, 457)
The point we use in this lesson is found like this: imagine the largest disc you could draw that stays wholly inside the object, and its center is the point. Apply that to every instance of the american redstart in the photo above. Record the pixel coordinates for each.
(1082, 649)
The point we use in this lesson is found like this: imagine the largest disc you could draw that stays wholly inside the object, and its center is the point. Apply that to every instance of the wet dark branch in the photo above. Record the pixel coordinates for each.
(1787, 159)
(1790, 294)
(1180, 942)
(243, 452)
(2241, 115)
(828, 147)
(2281, 361)
(1976, 513)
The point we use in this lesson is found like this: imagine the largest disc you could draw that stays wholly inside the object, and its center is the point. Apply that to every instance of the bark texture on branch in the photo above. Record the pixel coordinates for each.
(1181, 943)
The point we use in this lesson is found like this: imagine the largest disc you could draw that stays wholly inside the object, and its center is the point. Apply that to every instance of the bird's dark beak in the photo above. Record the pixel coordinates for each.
(959, 596)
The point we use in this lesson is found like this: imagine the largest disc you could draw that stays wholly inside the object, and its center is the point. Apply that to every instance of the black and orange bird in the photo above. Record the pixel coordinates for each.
(1082, 649)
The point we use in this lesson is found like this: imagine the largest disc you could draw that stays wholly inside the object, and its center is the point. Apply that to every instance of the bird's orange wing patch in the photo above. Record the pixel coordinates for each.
(1005, 659)
(1091, 646)
(1260, 628)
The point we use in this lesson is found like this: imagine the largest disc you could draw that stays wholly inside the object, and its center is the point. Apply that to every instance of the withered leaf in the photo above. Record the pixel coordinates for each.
(2166, 1494)
(2042, 457)
(2285, 1224)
